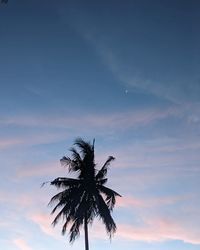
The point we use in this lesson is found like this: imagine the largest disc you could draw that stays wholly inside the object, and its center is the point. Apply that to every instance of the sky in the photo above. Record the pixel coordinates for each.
(123, 72)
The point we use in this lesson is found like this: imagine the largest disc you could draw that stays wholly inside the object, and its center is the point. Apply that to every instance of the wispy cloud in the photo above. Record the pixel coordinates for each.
(40, 170)
(151, 226)
(133, 202)
(19, 200)
(32, 138)
(151, 229)
(114, 120)
(175, 89)
(10, 142)
(21, 244)
(160, 229)
(55, 128)
(44, 223)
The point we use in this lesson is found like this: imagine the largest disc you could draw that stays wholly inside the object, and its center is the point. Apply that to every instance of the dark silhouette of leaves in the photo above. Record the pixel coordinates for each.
(84, 198)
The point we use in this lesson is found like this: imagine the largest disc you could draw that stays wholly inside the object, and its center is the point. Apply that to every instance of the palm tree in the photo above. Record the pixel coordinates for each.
(84, 198)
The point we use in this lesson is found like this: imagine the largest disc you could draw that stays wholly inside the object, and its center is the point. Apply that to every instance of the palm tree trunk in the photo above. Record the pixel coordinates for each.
(86, 233)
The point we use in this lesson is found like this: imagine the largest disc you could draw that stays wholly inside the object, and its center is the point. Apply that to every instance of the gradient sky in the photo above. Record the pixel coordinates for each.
(123, 72)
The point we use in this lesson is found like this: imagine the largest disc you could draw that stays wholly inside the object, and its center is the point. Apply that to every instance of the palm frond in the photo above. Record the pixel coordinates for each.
(101, 181)
(72, 164)
(63, 198)
(78, 211)
(75, 229)
(63, 212)
(110, 195)
(103, 171)
(75, 155)
(59, 196)
(93, 144)
(65, 161)
(104, 214)
(70, 204)
(84, 146)
(62, 182)
(67, 220)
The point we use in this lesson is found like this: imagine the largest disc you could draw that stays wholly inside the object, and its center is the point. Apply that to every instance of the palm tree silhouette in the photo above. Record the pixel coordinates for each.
(84, 198)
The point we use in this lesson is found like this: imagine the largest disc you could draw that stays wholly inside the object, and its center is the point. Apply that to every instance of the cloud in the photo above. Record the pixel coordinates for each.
(40, 170)
(108, 123)
(151, 229)
(155, 224)
(178, 89)
(10, 142)
(55, 128)
(44, 220)
(160, 229)
(21, 244)
(30, 139)
(133, 202)
(129, 202)
(177, 92)
(21, 200)
(114, 120)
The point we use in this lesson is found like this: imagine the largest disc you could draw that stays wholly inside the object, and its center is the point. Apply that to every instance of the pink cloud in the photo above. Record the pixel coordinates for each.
(151, 227)
(6, 143)
(31, 139)
(39, 170)
(21, 200)
(129, 202)
(156, 229)
(96, 122)
(132, 202)
(155, 153)
(113, 120)
(44, 222)
(21, 244)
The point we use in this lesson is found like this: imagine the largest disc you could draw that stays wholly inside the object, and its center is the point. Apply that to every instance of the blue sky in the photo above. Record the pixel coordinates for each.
(123, 72)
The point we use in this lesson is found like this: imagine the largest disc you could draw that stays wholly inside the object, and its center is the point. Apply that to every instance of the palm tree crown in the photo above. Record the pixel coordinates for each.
(84, 198)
